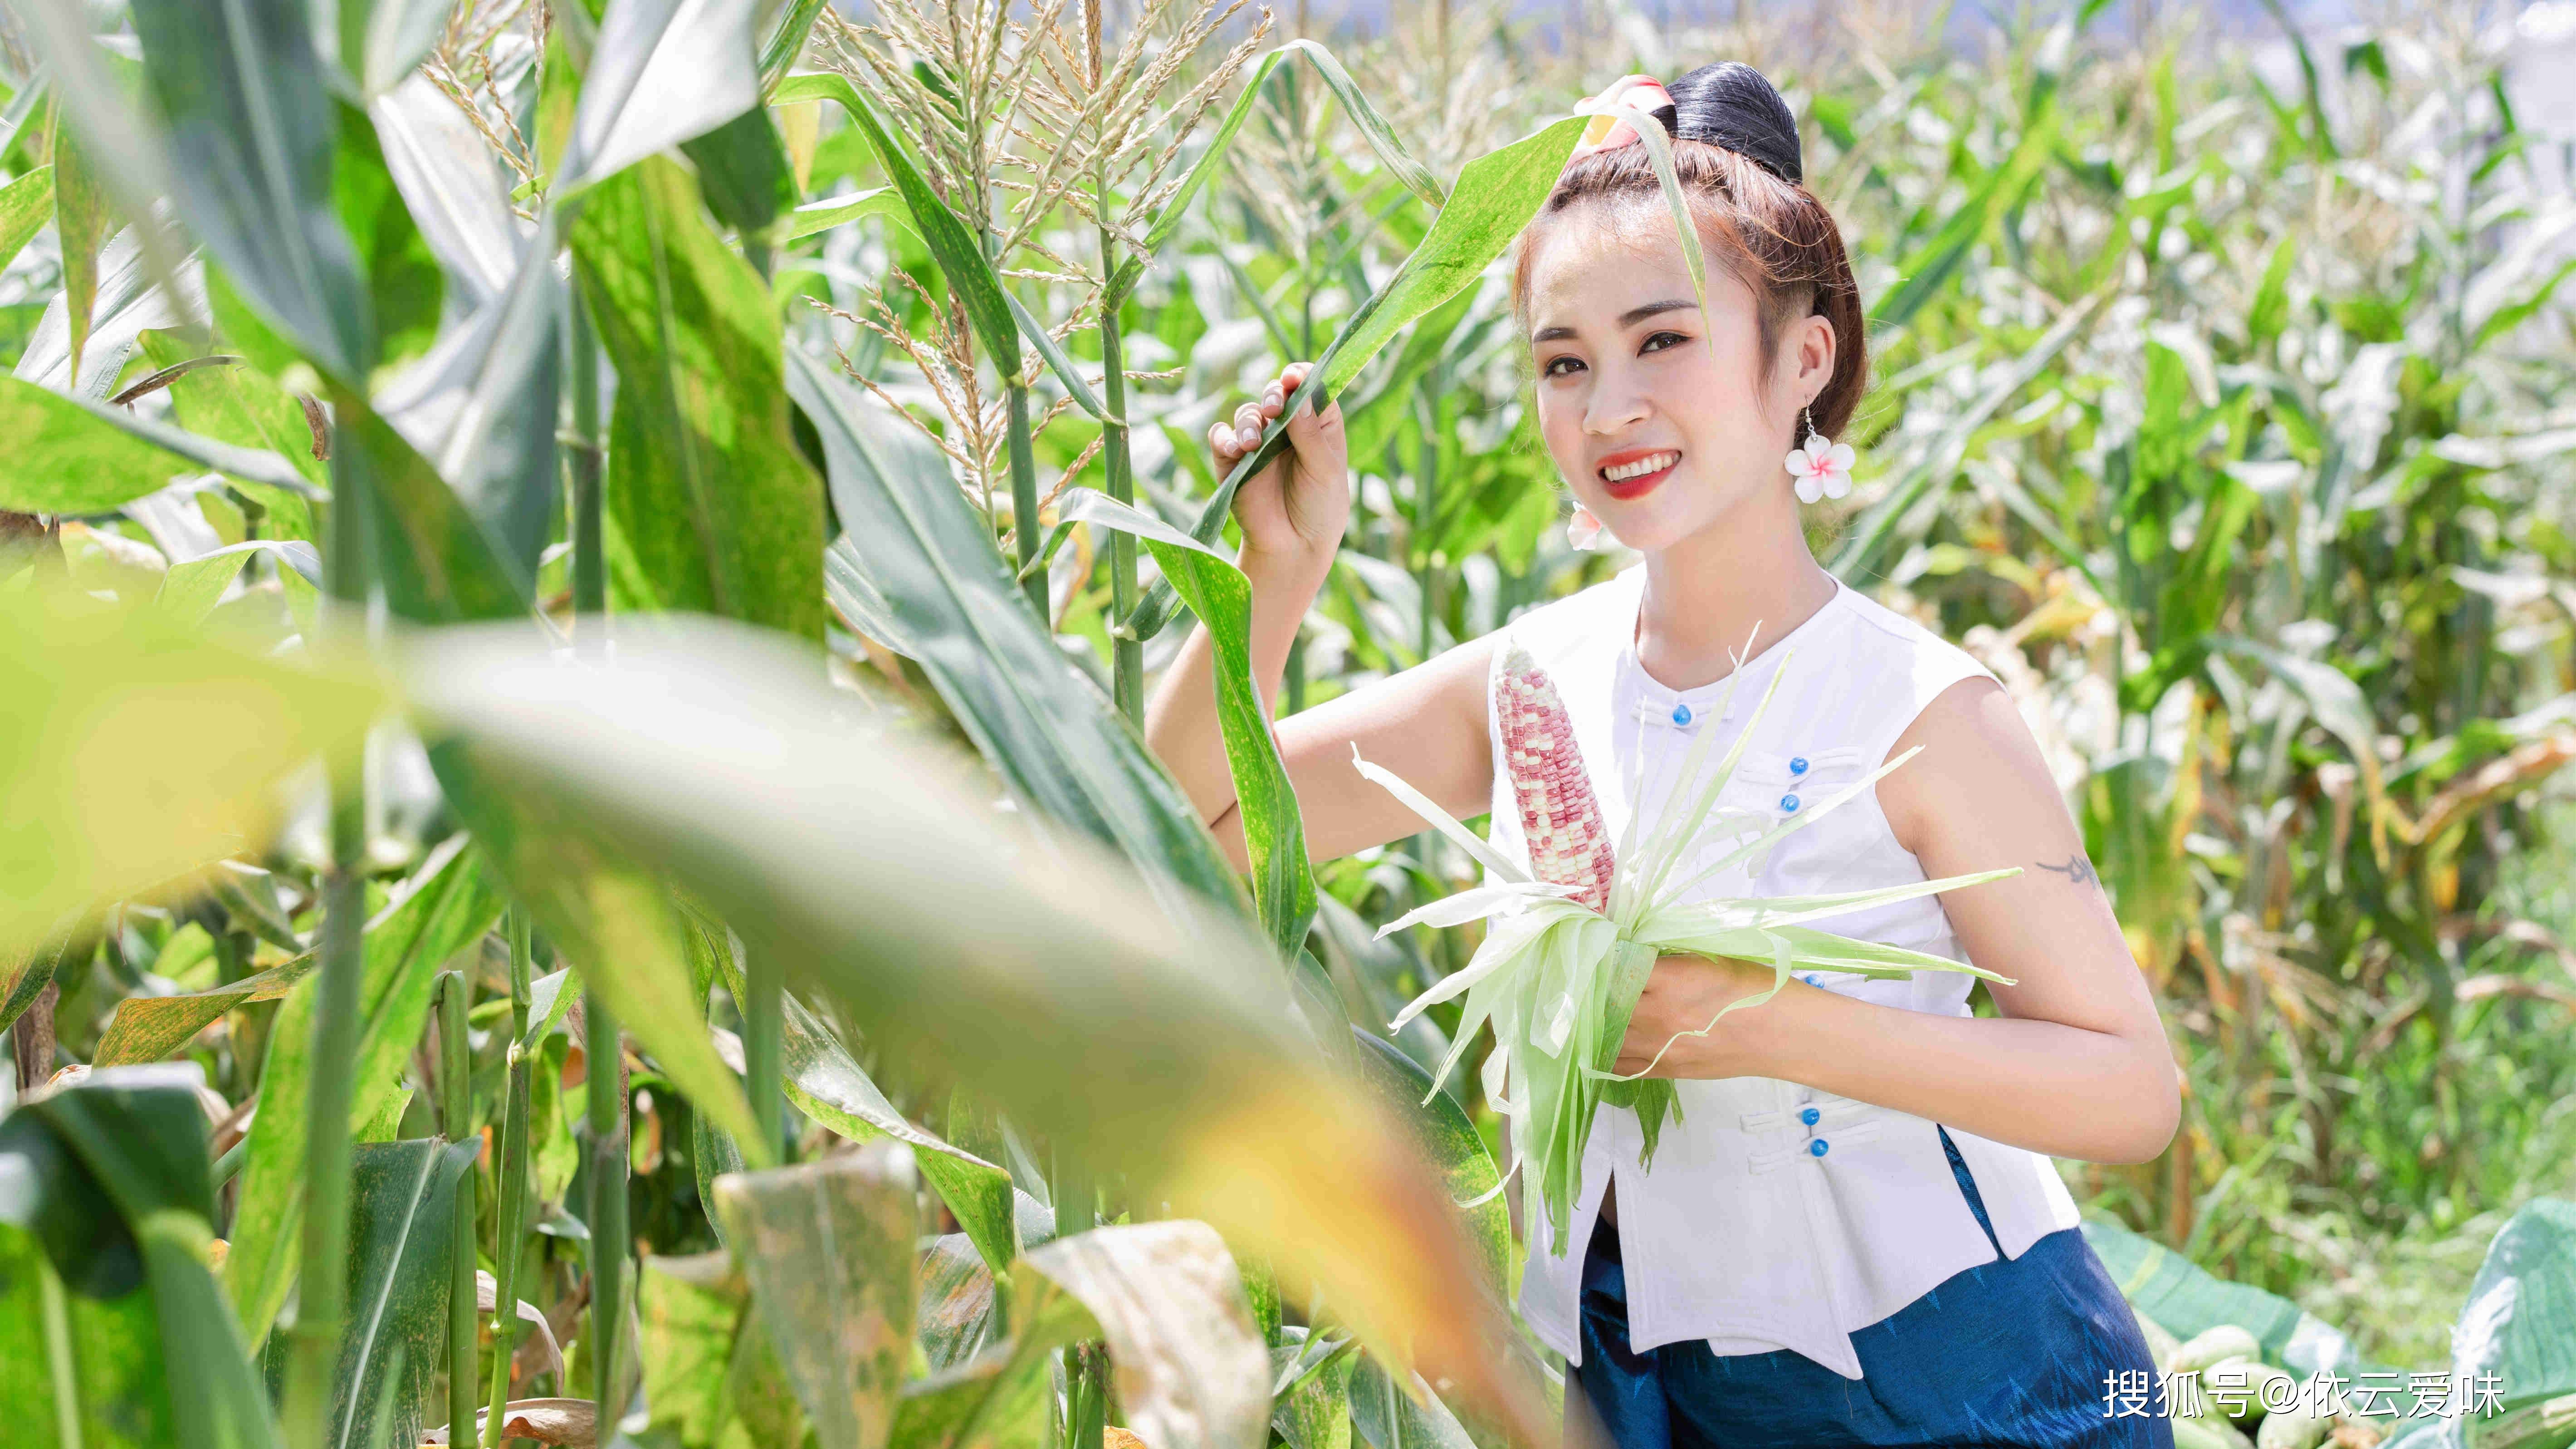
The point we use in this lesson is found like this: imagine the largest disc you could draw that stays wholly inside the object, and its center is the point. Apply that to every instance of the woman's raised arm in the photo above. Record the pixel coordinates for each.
(1427, 724)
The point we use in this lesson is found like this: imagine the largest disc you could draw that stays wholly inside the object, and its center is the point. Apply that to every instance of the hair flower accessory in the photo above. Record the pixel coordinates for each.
(1583, 530)
(1608, 132)
(1823, 469)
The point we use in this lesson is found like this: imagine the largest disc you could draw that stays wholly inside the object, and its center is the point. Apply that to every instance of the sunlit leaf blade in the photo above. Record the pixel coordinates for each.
(1496, 195)
(382, 40)
(779, 50)
(445, 907)
(1191, 1366)
(25, 203)
(252, 126)
(452, 186)
(822, 216)
(65, 456)
(828, 1247)
(81, 229)
(708, 752)
(1274, 833)
(401, 1217)
(1454, 1147)
(190, 591)
(706, 485)
(130, 301)
(137, 754)
(480, 408)
(662, 72)
(998, 1401)
(710, 1375)
(916, 557)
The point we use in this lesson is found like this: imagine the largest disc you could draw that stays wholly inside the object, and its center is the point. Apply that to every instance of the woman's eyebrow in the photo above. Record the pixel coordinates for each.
(1629, 318)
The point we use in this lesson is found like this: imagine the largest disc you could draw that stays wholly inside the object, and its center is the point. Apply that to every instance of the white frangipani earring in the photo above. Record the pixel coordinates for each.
(1583, 531)
(1822, 469)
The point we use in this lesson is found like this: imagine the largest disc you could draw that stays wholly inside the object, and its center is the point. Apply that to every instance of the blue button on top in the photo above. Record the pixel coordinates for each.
(1811, 980)
(1798, 766)
(1817, 1147)
(1789, 803)
(1681, 714)
(1811, 1117)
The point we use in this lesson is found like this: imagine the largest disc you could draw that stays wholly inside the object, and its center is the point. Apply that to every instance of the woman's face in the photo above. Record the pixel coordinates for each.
(1660, 434)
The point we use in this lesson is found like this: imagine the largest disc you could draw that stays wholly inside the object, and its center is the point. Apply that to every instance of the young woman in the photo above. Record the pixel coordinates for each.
(1853, 1234)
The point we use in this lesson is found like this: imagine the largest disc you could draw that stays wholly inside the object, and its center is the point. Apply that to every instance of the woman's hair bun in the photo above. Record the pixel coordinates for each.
(1731, 104)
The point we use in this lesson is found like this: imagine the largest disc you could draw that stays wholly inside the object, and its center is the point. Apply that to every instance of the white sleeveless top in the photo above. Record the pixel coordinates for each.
(1746, 1233)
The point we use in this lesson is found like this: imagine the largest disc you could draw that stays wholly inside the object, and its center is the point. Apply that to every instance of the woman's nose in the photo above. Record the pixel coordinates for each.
(1617, 402)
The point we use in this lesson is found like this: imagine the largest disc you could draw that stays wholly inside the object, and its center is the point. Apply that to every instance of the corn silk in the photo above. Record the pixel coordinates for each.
(1564, 960)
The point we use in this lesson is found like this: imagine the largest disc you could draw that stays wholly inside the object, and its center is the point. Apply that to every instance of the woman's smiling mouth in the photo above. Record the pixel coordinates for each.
(1636, 472)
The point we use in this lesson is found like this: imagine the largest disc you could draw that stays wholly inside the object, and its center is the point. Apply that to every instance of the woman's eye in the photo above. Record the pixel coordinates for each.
(1562, 366)
(1661, 340)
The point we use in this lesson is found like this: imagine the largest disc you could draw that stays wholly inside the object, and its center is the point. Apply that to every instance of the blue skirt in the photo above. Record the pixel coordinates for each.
(2013, 1352)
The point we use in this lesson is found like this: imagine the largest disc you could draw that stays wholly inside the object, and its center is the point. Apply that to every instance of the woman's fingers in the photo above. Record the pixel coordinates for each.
(1231, 439)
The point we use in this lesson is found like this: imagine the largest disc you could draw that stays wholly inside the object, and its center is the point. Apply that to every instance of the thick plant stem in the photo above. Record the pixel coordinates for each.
(1024, 503)
(456, 1081)
(586, 455)
(322, 1280)
(609, 1246)
(762, 1028)
(1126, 654)
(509, 1225)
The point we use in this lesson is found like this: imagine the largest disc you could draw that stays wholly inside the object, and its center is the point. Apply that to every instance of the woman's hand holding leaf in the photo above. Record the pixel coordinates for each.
(1297, 507)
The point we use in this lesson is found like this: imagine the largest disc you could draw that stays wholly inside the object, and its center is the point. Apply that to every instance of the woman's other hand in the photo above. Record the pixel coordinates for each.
(1301, 502)
(1684, 994)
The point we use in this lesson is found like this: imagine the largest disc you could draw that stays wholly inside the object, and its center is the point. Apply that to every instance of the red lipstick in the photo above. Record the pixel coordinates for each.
(1634, 484)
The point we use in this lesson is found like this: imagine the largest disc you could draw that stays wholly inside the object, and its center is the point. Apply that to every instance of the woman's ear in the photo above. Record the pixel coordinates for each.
(1815, 354)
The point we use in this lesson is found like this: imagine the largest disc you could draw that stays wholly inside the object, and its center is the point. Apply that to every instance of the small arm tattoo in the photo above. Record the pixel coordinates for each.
(2077, 869)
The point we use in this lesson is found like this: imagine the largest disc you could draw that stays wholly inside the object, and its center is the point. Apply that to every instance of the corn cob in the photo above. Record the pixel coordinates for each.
(1569, 842)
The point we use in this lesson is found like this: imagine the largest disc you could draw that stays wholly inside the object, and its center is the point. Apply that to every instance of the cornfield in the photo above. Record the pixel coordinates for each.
(580, 575)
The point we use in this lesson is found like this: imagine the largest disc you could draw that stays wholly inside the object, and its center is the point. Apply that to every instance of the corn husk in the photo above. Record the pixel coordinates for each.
(1557, 980)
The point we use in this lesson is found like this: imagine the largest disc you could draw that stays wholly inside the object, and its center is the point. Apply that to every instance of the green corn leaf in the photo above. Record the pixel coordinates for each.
(815, 217)
(1315, 1412)
(828, 1247)
(131, 299)
(252, 134)
(25, 204)
(661, 72)
(75, 1367)
(1497, 194)
(134, 1142)
(445, 908)
(1274, 832)
(1388, 1417)
(828, 1085)
(402, 1199)
(1862, 552)
(1454, 1147)
(919, 571)
(66, 455)
(81, 224)
(786, 42)
(241, 407)
(481, 411)
(706, 485)
(190, 590)
(1001, 1400)
(452, 186)
(742, 169)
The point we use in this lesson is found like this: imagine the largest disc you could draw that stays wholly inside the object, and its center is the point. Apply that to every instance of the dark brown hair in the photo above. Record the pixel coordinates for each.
(1735, 152)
